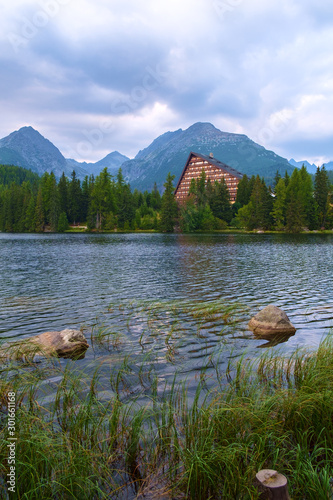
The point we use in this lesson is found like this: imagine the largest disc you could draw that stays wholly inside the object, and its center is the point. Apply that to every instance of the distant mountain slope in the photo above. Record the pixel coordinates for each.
(313, 168)
(169, 152)
(112, 162)
(27, 148)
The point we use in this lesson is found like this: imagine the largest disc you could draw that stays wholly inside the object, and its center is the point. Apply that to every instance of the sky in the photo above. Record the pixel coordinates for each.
(94, 76)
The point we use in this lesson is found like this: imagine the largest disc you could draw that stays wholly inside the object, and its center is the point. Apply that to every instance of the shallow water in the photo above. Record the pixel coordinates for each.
(50, 282)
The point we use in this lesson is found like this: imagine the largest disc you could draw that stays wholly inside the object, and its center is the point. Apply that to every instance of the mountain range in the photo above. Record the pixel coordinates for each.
(168, 153)
(29, 149)
(311, 168)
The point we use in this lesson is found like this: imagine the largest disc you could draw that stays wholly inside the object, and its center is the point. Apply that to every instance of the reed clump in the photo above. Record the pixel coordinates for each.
(163, 442)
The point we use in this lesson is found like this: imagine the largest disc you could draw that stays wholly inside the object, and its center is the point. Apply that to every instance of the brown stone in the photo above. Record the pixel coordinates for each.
(271, 320)
(64, 344)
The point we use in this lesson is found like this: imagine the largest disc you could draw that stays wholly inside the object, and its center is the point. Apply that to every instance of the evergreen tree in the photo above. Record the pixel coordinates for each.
(244, 190)
(286, 178)
(39, 213)
(29, 224)
(54, 203)
(279, 205)
(201, 189)
(126, 211)
(321, 194)
(219, 201)
(74, 198)
(262, 205)
(276, 179)
(294, 216)
(257, 213)
(169, 208)
(156, 198)
(300, 209)
(62, 223)
(102, 198)
(306, 194)
(295, 208)
(63, 194)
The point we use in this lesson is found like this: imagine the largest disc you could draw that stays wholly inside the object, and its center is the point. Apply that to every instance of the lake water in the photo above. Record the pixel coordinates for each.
(142, 287)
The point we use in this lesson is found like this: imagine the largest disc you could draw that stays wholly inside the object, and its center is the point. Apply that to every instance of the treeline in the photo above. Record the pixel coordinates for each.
(296, 202)
(103, 203)
(18, 175)
(29, 203)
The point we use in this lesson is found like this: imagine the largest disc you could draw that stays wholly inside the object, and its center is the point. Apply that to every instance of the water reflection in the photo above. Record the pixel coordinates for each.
(273, 340)
(57, 281)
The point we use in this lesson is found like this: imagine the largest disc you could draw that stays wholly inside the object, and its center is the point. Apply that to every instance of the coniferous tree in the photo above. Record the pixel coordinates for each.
(156, 198)
(102, 198)
(219, 201)
(279, 205)
(321, 194)
(62, 223)
(257, 213)
(295, 209)
(63, 194)
(54, 203)
(276, 179)
(169, 208)
(306, 194)
(126, 211)
(286, 178)
(244, 190)
(201, 189)
(29, 223)
(74, 198)
(39, 219)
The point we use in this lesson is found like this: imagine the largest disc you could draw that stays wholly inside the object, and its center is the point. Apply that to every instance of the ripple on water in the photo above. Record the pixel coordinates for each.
(50, 282)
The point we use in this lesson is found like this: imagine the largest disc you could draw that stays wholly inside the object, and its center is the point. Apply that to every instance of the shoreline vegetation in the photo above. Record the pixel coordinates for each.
(293, 204)
(136, 434)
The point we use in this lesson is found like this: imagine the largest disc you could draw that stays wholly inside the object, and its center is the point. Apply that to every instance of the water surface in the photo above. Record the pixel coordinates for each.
(50, 282)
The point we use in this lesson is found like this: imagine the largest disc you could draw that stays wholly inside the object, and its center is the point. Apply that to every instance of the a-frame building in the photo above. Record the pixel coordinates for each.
(214, 169)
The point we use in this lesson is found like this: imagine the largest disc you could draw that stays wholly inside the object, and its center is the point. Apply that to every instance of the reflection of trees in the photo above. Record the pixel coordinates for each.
(209, 263)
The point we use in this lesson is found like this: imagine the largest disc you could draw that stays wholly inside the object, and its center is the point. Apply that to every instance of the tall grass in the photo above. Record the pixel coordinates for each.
(274, 413)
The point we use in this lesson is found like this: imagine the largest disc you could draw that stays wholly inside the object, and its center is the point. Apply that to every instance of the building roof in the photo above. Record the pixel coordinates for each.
(212, 161)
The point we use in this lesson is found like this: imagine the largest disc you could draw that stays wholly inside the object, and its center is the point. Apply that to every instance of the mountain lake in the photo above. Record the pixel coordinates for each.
(177, 303)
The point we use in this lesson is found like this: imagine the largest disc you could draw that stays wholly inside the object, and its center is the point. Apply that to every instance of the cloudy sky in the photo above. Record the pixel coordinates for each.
(95, 76)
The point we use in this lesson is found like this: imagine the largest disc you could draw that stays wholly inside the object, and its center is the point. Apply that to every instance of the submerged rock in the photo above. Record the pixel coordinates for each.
(64, 344)
(271, 321)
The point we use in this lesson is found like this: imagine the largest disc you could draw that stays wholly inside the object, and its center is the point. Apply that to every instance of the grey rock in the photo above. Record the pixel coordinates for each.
(271, 321)
(67, 343)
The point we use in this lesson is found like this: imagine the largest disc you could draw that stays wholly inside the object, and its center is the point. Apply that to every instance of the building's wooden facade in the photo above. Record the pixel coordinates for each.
(214, 169)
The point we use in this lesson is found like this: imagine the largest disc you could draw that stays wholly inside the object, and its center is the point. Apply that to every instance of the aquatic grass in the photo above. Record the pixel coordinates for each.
(153, 436)
(103, 336)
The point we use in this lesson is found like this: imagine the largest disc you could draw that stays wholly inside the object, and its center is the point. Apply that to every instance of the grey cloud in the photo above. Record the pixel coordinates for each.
(242, 66)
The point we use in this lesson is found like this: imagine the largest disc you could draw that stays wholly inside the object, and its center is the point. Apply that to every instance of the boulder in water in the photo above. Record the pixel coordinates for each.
(64, 344)
(271, 321)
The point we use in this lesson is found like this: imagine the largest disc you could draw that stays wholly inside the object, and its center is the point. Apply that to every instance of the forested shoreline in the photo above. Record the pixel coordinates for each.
(29, 203)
